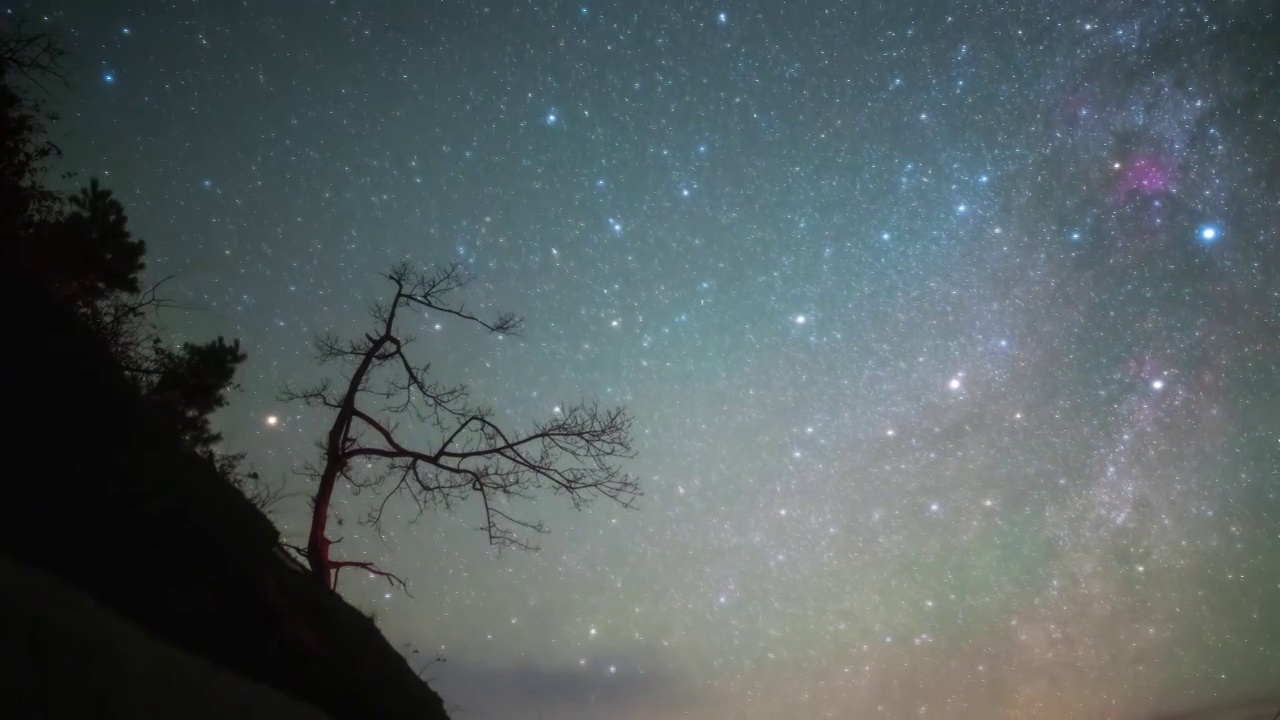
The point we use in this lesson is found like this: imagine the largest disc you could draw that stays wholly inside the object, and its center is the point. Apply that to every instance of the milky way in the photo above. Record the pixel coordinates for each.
(950, 330)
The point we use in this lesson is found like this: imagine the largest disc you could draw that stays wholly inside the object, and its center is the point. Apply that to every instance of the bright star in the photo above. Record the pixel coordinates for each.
(108, 77)
(1208, 233)
(954, 384)
(800, 319)
(273, 420)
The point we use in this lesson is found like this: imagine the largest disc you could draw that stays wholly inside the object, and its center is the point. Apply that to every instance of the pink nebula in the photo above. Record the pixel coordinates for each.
(1144, 175)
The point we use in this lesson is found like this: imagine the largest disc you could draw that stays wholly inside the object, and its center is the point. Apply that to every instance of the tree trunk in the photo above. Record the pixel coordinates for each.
(317, 543)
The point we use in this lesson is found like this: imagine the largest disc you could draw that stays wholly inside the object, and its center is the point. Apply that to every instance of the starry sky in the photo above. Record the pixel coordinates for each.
(951, 329)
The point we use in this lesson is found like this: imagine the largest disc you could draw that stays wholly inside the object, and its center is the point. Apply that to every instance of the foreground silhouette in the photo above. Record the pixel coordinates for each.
(139, 578)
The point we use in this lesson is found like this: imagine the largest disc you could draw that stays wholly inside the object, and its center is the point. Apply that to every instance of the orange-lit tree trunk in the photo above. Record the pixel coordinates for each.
(322, 564)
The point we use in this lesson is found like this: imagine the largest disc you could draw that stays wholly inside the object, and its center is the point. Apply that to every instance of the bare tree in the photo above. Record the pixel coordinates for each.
(32, 55)
(575, 453)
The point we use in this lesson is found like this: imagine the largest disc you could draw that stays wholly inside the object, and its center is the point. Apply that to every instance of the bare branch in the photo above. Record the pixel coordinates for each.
(368, 567)
(32, 55)
(578, 452)
(430, 292)
(319, 395)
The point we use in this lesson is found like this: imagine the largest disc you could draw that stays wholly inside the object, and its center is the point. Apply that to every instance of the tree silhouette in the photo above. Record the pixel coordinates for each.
(80, 247)
(32, 55)
(89, 258)
(90, 254)
(575, 453)
(190, 384)
(25, 153)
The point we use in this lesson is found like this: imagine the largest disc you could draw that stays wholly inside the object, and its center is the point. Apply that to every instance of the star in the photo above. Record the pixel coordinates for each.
(1029, 329)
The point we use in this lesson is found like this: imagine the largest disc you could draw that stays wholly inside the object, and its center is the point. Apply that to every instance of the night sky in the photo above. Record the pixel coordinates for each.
(950, 329)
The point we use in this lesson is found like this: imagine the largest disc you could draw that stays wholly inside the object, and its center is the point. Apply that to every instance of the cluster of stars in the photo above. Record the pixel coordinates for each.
(918, 388)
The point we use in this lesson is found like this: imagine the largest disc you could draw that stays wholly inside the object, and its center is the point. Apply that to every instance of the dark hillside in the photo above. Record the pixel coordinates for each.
(66, 656)
(104, 495)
